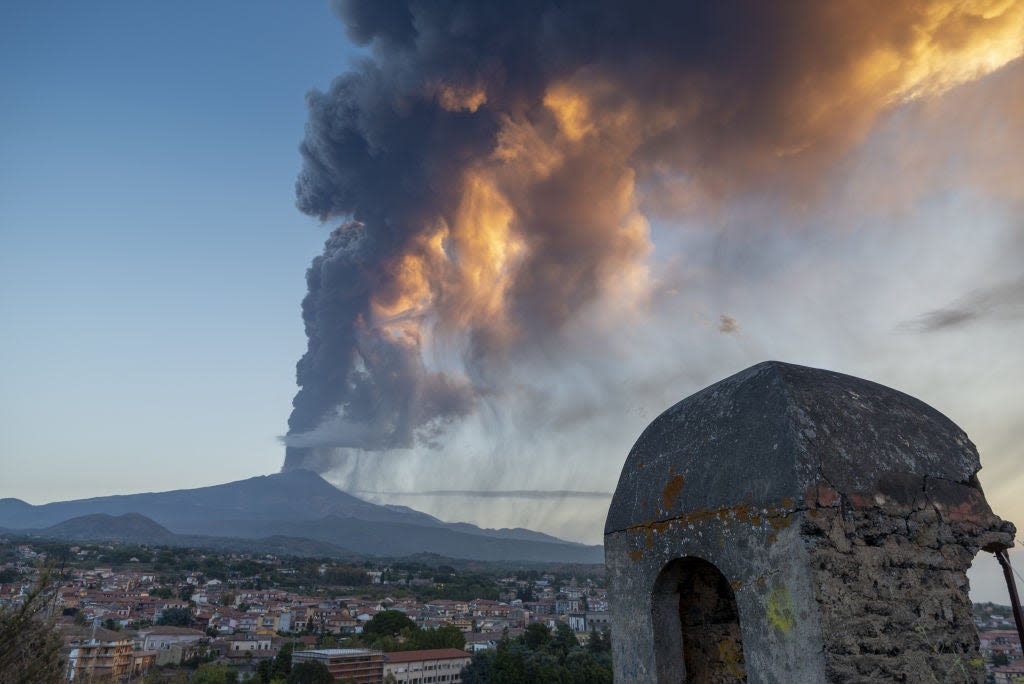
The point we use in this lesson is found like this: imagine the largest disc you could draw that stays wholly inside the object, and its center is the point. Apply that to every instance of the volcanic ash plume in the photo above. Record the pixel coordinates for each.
(492, 163)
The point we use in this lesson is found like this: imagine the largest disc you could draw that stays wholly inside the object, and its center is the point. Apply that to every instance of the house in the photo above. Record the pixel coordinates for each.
(142, 662)
(578, 622)
(240, 645)
(1005, 641)
(107, 655)
(1008, 673)
(488, 641)
(156, 638)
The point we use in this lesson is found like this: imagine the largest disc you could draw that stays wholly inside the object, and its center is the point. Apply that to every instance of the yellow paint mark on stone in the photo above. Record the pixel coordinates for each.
(780, 610)
(636, 555)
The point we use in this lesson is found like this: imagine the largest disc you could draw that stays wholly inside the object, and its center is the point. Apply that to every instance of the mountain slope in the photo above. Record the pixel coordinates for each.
(296, 505)
(130, 527)
(293, 495)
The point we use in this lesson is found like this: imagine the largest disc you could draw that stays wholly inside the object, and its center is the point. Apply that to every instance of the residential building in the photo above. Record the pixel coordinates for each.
(240, 645)
(433, 666)
(106, 656)
(1007, 674)
(358, 665)
(163, 636)
(1001, 641)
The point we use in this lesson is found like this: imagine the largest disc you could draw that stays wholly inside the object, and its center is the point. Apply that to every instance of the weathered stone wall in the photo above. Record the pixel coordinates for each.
(890, 579)
(760, 553)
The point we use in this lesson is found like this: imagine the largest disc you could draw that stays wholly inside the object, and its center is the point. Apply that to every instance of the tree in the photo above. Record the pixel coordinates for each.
(540, 657)
(536, 636)
(387, 623)
(446, 636)
(29, 648)
(214, 673)
(479, 669)
(564, 640)
(263, 671)
(282, 663)
(600, 642)
(176, 617)
(310, 672)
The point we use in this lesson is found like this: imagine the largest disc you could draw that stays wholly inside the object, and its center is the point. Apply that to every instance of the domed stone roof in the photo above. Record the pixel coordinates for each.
(776, 434)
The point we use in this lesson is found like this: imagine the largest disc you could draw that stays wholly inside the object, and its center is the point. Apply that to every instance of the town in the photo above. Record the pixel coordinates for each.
(135, 613)
(127, 612)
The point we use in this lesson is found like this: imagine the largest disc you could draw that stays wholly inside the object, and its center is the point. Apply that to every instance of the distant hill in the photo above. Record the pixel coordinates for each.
(138, 529)
(130, 527)
(296, 508)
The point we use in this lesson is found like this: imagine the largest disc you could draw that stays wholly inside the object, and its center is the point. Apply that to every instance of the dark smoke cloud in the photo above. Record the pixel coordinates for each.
(361, 387)
(489, 160)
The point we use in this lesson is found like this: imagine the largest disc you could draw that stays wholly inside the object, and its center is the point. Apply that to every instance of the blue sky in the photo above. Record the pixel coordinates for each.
(153, 260)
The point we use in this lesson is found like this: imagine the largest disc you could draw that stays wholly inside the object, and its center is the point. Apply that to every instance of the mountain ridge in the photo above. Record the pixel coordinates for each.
(295, 505)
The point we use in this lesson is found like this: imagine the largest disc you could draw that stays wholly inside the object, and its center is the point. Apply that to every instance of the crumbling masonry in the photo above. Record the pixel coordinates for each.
(789, 524)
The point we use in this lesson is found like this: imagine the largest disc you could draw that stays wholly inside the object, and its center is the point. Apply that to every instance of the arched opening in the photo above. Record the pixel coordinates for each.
(696, 624)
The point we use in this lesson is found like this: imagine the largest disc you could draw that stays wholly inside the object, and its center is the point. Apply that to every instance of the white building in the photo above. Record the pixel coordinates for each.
(438, 665)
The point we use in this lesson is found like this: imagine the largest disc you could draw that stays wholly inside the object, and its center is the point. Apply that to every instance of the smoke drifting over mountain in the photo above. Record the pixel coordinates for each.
(494, 167)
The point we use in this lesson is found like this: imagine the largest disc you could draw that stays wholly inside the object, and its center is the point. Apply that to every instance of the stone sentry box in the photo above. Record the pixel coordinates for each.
(789, 524)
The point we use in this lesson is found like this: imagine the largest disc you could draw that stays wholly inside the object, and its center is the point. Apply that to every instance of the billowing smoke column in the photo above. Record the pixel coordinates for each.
(492, 162)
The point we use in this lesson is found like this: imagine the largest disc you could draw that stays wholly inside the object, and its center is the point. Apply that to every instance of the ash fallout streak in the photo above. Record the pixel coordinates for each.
(493, 167)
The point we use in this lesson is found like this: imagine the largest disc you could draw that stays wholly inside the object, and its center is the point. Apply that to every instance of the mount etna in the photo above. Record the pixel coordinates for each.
(295, 511)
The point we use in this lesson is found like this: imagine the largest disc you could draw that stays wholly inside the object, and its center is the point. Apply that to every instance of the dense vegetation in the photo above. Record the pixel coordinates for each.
(392, 630)
(540, 656)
